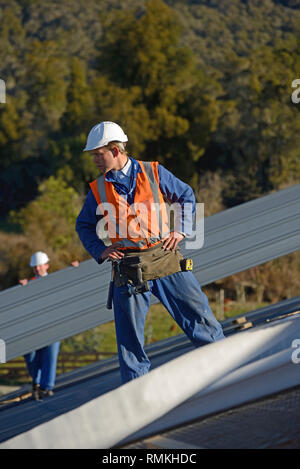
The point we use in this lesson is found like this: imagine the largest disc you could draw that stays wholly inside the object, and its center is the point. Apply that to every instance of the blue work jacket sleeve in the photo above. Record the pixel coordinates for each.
(86, 228)
(182, 197)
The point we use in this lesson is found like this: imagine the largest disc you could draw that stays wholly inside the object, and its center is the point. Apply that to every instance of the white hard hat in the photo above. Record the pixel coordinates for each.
(104, 133)
(38, 258)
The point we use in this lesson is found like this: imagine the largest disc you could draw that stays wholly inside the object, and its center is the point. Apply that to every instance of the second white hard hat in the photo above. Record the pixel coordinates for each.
(104, 133)
(38, 258)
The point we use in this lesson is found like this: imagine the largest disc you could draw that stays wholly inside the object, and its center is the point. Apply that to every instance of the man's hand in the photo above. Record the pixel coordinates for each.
(171, 241)
(23, 281)
(112, 253)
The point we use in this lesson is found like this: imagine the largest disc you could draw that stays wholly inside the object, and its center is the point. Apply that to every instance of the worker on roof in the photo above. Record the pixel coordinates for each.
(42, 363)
(125, 220)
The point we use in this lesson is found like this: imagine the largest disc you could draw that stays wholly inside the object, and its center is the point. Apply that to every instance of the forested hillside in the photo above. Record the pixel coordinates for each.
(204, 87)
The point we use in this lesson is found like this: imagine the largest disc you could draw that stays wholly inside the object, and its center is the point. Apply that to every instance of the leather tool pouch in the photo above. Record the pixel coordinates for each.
(150, 264)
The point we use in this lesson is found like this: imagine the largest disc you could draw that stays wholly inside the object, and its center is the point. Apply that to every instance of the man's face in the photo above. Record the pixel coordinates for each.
(41, 269)
(104, 159)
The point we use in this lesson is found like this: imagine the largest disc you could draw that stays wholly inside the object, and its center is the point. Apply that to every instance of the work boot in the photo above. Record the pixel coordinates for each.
(45, 393)
(35, 391)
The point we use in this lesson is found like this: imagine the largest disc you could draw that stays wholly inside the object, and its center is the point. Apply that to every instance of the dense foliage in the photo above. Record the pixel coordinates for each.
(204, 87)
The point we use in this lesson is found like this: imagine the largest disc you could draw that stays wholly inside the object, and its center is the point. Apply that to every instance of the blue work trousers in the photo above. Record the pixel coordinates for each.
(182, 296)
(41, 365)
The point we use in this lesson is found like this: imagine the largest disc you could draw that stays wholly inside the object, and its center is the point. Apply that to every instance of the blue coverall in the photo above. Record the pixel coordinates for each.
(41, 365)
(180, 292)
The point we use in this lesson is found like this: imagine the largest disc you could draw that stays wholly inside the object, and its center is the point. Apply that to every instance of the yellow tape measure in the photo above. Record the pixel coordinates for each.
(186, 264)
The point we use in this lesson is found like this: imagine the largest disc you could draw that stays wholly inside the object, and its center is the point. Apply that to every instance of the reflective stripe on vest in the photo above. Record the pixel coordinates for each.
(146, 219)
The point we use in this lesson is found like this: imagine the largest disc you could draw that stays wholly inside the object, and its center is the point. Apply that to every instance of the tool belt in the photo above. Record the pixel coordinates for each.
(137, 267)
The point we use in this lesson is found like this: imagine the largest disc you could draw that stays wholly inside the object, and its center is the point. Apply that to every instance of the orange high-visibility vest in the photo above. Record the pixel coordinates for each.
(140, 225)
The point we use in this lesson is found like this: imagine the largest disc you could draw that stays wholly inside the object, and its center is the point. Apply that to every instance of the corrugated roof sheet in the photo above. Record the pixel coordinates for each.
(254, 363)
(269, 423)
(74, 299)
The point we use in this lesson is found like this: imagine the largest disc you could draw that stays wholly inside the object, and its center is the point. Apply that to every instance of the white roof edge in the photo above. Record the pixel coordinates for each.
(124, 412)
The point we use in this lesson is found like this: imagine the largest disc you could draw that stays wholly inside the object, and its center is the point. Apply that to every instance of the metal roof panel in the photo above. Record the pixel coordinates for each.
(72, 300)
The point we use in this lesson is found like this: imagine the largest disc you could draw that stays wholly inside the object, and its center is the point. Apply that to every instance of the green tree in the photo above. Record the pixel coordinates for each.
(142, 54)
(46, 84)
(79, 98)
(66, 145)
(48, 223)
(258, 134)
(193, 83)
